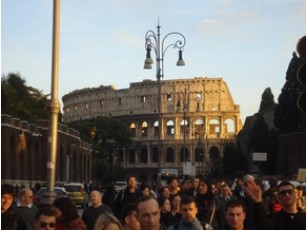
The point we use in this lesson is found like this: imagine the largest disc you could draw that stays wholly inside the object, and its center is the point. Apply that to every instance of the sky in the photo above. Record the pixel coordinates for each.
(248, 43)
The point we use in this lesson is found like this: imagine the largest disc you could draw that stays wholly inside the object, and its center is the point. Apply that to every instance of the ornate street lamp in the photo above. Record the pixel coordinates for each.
(153, 42)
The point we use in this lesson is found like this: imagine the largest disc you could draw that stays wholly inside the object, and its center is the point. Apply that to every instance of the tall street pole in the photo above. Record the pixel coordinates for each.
(54, 106)
(152, 41)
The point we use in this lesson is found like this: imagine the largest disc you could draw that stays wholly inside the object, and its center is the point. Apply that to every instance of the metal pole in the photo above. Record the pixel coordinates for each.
(152, 41)
(158, 62)
(184, 133)
(54, 106)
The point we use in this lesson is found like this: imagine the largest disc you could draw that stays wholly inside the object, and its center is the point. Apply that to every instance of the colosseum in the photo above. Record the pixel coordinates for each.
(198, 118)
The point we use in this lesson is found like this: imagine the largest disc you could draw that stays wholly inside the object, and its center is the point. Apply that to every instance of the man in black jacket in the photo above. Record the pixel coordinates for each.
(9, 219)
(289, 217)
(127, 196)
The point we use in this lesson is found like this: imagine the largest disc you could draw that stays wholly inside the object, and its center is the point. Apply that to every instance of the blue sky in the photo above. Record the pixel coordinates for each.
(248, 43)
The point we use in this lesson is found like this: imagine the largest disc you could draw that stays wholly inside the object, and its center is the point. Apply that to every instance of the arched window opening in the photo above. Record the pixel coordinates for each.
(170, 127)
(184, 127)
(199, 154)
(143, 155)
(155, 155)
(156, 128)
(229, 126)
(214, 126)
(131, 157)
(144, 129)
(184, 154)
(170, 155)
(133, 129)
(199, 126)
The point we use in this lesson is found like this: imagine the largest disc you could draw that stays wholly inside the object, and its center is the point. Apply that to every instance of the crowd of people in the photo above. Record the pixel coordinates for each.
(193, 204)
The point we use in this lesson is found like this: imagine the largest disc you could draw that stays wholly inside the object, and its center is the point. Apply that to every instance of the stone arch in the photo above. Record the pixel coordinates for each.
(184, 154)
(143, 155)
(184, 126)
(229, 125)
(155, 154)
(144, 129)
(199, 154)
(199, 125)
(170, 155)
(214, 126)
(131, 156)
(132, 128)
(156, 128)
(214, 153)
(170, 127)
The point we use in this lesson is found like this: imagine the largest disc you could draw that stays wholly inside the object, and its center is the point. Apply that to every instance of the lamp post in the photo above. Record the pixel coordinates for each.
(153, 41)
(185, 123)
(50, 194)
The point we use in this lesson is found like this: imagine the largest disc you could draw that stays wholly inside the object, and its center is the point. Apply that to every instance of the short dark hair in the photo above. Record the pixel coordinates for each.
(127, 211)
(162, 201)
(144, 199)
(169, 180)
(188, 200)
(285, 183)
(7, 189)
(130, 176)
(235, 203)
(46, 211)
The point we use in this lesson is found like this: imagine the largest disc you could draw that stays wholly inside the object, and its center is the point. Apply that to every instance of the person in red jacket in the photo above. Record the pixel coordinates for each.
(67, 215)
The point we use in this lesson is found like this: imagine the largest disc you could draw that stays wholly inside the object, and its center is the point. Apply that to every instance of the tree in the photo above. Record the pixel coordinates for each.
(22, 101)
(108, 135)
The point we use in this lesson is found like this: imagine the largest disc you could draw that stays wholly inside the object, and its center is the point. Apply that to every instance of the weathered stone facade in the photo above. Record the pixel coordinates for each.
(203, 108)
(24, 151)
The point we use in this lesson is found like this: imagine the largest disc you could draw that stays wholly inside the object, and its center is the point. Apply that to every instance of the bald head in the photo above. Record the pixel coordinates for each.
(95, 198)
(25, 197)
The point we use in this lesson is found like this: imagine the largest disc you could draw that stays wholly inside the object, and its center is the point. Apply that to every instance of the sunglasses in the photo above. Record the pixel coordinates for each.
(44, 225)
(284, 192)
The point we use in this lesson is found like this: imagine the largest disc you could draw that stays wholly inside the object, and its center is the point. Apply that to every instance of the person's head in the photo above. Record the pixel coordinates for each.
(165, 204)
(175, 202)
(188, 208)
(248, 177)
(129, 218)
(300, 191)
(107, 221)
(205, 188)
(131, 182)
(7, 197)
(65, 209)
(235, 214)
(273, 182)
(225, 190)
(25, 197)
(95, 198)
(145, 189)
(45, 219)
(195, 183)
(148, 213)
(287, 194)
(239, 182)
(165, 191)
(173, 183)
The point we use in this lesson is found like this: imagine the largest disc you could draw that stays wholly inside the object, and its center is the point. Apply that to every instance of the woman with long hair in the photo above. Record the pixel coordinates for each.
(67, 215)
(206, 203)
(107, 221)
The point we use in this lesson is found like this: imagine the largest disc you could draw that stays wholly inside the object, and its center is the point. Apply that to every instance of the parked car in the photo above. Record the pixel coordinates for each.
(77, 194)
(60, 191)
(120, 185)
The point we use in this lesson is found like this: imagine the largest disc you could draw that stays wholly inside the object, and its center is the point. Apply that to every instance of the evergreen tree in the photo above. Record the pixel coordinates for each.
(22, 101)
